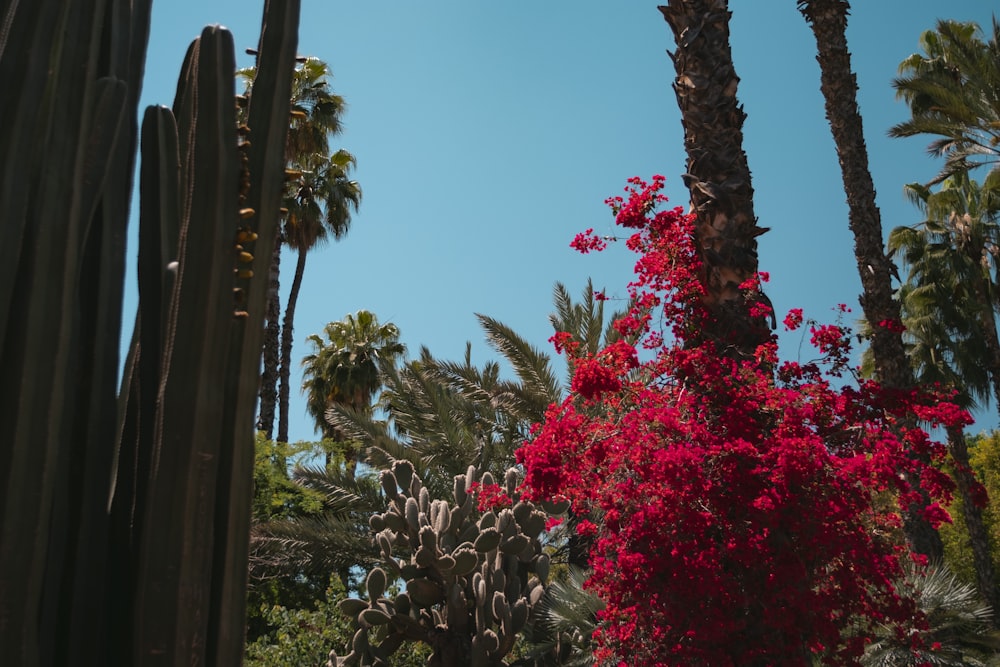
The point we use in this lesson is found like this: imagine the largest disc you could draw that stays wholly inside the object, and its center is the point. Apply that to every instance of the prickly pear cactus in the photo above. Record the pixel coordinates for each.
(471, 576)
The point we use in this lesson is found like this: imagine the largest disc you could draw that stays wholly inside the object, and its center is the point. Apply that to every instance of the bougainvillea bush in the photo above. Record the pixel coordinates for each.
(742, 510)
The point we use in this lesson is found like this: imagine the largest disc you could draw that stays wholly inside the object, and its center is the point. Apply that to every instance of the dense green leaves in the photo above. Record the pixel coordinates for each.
(952, 91)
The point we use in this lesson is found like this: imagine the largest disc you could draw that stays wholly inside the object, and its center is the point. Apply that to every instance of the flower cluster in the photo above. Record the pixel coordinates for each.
(587, 241)
(490, 497)
(894, 326)
(794, 319)
(738, 505)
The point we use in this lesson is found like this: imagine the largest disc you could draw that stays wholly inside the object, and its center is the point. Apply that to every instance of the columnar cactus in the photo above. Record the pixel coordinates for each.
(124, 524)
(473, 572)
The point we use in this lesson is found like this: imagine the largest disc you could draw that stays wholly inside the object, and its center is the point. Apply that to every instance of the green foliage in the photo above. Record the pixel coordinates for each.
(959, 630)
(984, 458)
(303, 636)
(335, 539)
(949, 88)
(948, 299)
(344, 368)
(561, 633)
(276, 496)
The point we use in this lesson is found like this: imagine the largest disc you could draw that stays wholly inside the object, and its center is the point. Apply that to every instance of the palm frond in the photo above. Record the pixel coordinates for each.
(960, 630)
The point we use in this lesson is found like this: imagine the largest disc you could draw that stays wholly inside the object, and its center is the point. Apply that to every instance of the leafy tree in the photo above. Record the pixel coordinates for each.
(304, 637)
(277, 497)
(344, 369)
(334, 539)
(951, 91)
(984, 462)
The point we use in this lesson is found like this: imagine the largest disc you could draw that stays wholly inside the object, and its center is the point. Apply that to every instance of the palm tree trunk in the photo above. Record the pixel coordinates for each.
(717, 177)
(269, 374)
(973, 516)
(287, 329)
(828, 19)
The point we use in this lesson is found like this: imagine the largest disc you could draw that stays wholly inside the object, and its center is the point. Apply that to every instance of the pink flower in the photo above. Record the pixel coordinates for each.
(794, 319)
(730, 483)
(587, 241)
(895, 326)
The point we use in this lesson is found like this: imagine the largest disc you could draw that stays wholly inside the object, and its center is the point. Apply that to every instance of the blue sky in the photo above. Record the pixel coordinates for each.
(488, 134)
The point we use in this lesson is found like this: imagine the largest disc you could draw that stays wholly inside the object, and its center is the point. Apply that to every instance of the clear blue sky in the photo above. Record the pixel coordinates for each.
(489, 133)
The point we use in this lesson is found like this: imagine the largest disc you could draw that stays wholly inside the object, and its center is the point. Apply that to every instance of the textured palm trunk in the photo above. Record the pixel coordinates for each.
(828, 19)
(287, 329)
(973, 517)
(272, 331)
(717, 177)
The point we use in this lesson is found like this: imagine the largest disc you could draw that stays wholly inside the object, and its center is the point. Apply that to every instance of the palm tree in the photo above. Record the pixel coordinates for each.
(321, 207)
(585, 320)
(952, 91)
(345, 368)
(444, 416)
(950, 295)
(949, 309)
(718, 176)
(565, 621)
(315, 116)
(959, 631)
(950, 298)
(335, 539)
(828, 20)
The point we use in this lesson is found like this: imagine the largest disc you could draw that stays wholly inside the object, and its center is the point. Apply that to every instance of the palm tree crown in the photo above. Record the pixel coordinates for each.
(953, 91)
(949, 297)
(344, 368)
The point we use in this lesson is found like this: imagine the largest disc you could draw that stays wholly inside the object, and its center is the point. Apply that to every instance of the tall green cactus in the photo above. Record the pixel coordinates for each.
(124, 521)
(472, 577)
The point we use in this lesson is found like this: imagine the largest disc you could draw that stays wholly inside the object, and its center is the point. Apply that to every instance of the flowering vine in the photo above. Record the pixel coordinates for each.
(740, 509)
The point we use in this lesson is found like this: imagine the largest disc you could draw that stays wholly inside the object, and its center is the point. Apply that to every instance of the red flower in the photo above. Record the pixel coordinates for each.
(587, 241)
(895, 326)
(735, 505)
(794, 319)
(592, 377)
